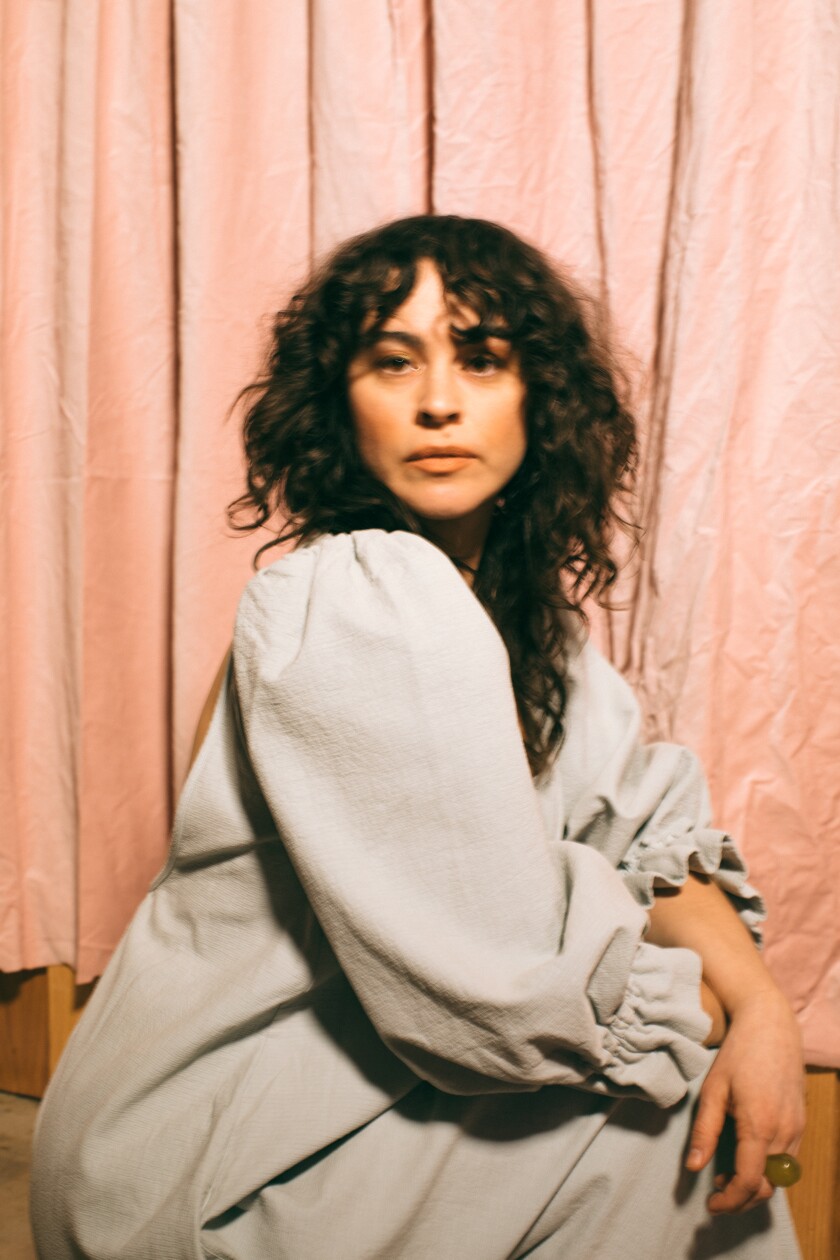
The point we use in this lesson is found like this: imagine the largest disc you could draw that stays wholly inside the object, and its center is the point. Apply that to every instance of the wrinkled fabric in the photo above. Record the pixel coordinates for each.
(170, 171)
(365, 892)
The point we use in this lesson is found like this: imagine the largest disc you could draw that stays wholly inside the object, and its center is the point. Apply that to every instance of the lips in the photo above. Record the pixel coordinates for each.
(442, 452)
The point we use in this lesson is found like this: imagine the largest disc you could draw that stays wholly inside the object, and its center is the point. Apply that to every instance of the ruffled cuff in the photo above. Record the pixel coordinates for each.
(665, 861)
(654, 1039)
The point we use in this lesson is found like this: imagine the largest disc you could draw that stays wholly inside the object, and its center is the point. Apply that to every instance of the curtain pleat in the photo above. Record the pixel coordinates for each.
(171, 169)
(43, 390)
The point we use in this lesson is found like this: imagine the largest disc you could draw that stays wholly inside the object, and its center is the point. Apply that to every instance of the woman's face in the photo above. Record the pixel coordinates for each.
(439, 420)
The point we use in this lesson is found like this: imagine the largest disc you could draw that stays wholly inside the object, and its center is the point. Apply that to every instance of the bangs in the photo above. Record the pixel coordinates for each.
(481, 265)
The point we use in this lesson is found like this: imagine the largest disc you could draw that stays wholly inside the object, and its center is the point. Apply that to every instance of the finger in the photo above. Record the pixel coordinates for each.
(707, 1127)
(748, 1186)
(733, 1198)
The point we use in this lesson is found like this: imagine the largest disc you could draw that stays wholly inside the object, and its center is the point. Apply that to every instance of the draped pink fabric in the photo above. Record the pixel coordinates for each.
(169, 171)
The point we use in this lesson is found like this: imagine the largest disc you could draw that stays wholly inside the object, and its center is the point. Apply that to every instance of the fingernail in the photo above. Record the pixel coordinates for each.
(695, 1157)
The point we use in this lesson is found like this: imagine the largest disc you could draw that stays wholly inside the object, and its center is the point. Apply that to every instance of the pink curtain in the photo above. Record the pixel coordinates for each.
(170, 170)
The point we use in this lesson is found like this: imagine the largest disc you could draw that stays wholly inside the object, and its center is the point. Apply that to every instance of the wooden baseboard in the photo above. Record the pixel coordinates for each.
(38, 1010)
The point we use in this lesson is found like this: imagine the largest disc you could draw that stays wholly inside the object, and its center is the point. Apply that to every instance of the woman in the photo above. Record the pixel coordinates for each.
(422, 976)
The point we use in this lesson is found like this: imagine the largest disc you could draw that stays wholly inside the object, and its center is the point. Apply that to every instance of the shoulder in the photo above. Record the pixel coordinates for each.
(344, 590)
(596, 689)
(602, 716)
(375, 555)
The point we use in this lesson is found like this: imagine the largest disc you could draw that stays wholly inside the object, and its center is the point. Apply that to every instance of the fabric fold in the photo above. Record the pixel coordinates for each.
(667, 861)
(658, 1026)
(645, 807)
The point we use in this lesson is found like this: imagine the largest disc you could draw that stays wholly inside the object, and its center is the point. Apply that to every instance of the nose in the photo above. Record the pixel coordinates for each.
(439, 401)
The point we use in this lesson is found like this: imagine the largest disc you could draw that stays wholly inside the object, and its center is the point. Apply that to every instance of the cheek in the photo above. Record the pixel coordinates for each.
(511, 434)
(376, 428)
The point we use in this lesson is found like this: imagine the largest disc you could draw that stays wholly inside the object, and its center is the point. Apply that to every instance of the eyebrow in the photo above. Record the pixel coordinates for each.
(481, 332)
(379, 334)
(475, 333)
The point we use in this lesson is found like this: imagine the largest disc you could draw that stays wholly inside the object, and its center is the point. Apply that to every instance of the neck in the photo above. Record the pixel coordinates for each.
(463, 539)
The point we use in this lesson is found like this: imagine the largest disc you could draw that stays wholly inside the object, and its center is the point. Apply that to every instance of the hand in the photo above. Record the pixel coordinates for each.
(757, 1078)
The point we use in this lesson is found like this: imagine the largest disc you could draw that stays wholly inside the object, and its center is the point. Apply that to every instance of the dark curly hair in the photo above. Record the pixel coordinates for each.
(549, 547)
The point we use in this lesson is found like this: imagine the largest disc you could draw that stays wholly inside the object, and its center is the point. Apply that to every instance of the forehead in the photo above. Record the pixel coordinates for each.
(429, 307)
(432, 312)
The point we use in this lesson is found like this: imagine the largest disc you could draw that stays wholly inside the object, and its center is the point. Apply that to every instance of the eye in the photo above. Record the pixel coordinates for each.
(482, 363)
(395, 364)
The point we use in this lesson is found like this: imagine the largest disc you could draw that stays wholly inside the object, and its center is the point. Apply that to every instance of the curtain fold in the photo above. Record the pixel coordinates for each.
(171, 169)
(736, 611)
(89, 416)
(42, 378)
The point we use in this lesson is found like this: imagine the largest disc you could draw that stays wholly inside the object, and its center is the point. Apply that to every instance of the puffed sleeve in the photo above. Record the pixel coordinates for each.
(378, 714)
(645, 807)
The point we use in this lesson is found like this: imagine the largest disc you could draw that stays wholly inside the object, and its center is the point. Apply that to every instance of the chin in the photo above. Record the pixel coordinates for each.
(451, 511)
(438, 513)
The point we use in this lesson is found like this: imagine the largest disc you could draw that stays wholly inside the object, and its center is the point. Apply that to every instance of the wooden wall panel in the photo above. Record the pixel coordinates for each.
(815, 1201)
(24, 1032)
(38, 1010)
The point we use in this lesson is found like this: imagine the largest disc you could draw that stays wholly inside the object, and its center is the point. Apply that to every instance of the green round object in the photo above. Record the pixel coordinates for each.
(782, 1170)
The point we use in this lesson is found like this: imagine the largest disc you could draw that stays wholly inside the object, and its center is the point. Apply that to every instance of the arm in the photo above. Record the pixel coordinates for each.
(758, 1073)
(378, 716)
(646, 808)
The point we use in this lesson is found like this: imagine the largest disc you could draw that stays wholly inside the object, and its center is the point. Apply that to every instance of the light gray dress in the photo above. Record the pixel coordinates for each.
(388, 999)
